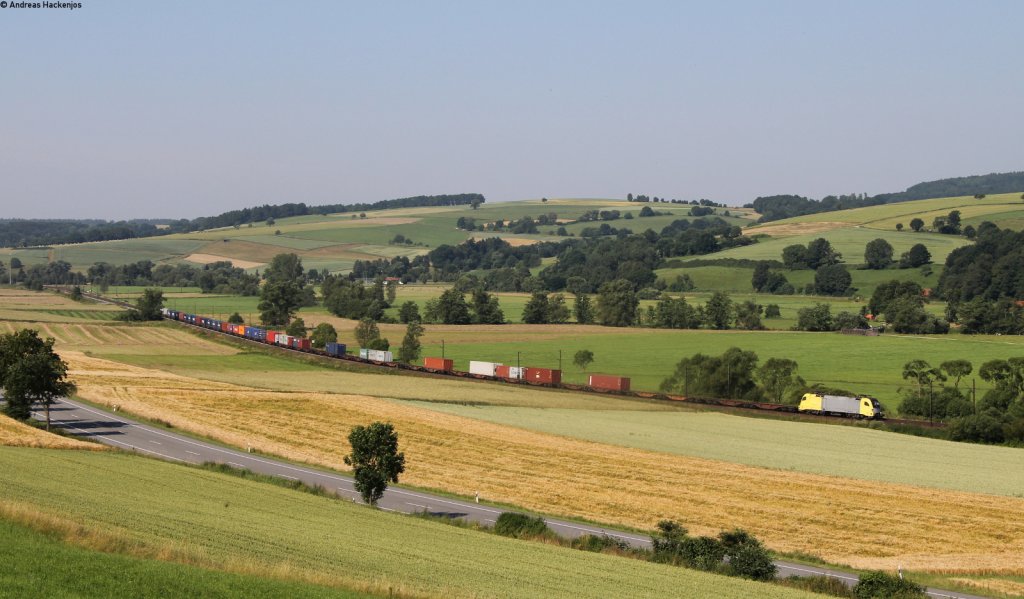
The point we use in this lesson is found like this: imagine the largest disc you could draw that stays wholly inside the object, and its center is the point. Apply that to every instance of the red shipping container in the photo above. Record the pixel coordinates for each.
(501, 371)
(271, 336)
(445, 364)
(607, 381)
(543, 375)
(224, 326)
(302, 344)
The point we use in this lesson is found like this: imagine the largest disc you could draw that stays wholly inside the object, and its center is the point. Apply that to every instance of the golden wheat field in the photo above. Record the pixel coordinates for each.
(122, 338)
(17, 434)
(863, 524)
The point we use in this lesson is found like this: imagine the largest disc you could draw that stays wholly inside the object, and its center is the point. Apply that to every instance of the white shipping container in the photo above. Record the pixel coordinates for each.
(282, 339)
(364, 353)
(514, 372)
(380, 356)
(484, 368)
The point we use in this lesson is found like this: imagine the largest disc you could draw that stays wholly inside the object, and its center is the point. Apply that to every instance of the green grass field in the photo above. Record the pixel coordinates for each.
(736, 279)
(847, 451)
(849, 241)
(870, 365)
(225, 520)
(39, 565)
(887, 215)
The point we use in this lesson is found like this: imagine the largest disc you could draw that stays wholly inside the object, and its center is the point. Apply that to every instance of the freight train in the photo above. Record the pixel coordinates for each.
(490, 370)
(812, 403)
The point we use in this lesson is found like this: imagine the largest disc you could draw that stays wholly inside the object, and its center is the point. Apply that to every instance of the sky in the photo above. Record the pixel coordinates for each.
(182, 109)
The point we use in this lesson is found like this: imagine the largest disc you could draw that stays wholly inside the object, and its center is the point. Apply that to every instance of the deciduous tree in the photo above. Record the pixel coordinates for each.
(878, 254)
(409, 351)
(31, 372)
(375, 459)
(583, 358)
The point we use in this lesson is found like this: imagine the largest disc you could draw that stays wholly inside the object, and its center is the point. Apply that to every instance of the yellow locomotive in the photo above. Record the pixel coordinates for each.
(860, 406)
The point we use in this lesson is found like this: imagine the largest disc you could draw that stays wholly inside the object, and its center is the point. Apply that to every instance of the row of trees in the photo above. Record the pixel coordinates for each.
(736, 374)
(998, 417)
(778, 207)
(878, 255)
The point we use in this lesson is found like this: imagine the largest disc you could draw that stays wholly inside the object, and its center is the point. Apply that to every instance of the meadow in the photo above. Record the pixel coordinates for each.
(860, 523)
(847, 240)
(38, 565)
(847, 451)
(871, 365)
(215, 521)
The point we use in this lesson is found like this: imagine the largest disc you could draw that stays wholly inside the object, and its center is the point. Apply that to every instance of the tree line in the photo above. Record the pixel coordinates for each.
(41, 232)
(778, 207)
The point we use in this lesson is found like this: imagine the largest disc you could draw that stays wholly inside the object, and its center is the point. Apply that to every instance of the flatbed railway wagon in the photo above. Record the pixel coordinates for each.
(860, 406)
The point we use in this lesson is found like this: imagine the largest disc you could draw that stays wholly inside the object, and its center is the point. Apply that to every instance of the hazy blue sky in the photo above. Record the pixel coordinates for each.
(184, 109)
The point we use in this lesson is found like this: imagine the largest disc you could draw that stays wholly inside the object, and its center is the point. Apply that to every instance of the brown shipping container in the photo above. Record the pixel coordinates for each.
(543, 375)
(445, 364)
(501, 371)
(607, 381)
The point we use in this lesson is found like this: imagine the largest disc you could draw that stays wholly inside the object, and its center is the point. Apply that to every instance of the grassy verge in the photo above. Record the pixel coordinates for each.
(42, 565)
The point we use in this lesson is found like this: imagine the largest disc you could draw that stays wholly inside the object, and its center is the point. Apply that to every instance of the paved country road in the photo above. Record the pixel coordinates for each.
(125, 433)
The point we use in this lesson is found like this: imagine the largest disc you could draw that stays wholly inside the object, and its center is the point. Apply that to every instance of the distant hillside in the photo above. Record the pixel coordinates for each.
(42, 232)
(778, 207)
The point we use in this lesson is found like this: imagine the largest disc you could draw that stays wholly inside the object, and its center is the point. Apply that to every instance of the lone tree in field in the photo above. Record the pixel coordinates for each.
(147, 307)
(30, 372)
(375, 459)
(409, 351)
(296, 328)
(583, 358)
(777, 376)
(323, 334)
(957, 369)
(878, 254)
(283, 292)
(366, 332)
(236, 318)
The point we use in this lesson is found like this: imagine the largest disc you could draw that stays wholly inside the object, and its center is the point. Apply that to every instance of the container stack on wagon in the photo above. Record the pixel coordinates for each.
(483, 368)
(335, 349)
(607, 381)
(376, 355)
(442, 364)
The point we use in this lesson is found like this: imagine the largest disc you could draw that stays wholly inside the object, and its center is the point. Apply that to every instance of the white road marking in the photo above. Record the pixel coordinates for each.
(191, 452)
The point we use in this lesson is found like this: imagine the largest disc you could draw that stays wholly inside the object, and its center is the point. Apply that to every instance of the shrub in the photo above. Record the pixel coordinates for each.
(823, 585)
(597, 544)
(772, 311)
(886, 586)
(982, 428)
(747, 556)
(520, 526)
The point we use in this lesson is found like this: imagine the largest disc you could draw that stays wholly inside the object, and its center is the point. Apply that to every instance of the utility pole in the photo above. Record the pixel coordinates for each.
(931, 394)
(517, 359)
(974, 394)
(442, 349)
(559, 359)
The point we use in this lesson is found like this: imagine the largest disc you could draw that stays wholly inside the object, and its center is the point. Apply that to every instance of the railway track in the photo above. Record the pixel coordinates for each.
(709, 402)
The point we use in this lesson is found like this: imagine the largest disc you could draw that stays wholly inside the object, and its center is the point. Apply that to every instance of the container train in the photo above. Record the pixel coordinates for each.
(857, 407)
(490, 370)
